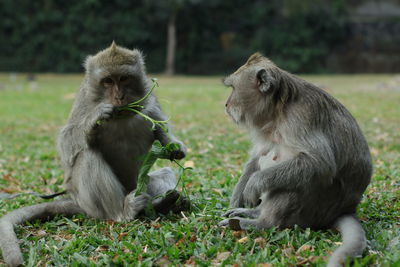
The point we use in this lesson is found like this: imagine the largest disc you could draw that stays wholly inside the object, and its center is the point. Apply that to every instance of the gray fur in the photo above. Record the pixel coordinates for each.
(101, 162)
(9, 242)
(310, 162)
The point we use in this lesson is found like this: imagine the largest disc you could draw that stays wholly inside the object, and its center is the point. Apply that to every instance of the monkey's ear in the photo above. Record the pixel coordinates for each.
(264, 81)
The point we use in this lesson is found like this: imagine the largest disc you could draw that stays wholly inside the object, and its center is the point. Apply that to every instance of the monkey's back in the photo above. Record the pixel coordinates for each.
(321, 205)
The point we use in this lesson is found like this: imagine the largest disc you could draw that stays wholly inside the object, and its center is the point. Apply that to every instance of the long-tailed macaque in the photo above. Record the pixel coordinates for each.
(309, 164)
(101, 160)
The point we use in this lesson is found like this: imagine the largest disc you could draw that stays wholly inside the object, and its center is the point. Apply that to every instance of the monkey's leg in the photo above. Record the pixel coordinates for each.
(133, 205)
(243, 212)
(163, 183)
(237, 200)
(301, 172)
(238, 223)
(98, 191)
(9, 242)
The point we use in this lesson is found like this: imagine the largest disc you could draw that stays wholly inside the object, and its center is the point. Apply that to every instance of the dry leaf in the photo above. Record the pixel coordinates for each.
(303, 261)
(288, 252)
(238, 234)
(264, 265)
(110, 222)
(122, 235)
(66, 236)
(41, 233)
(193, 237)
(180, 241)
(156, 225)
(243, 240)
(261, 242)
(188, 164)
(163, 261)
(305, 247)
(217, 190)
(190, 261)
(102, 248)
(221, 256)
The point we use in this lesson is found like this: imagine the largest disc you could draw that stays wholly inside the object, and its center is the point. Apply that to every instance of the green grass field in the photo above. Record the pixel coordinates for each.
(32, 113)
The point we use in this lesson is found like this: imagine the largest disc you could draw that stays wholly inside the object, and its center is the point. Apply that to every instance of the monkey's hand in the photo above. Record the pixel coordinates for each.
(179, 152)
(101, 114)
(252, 191)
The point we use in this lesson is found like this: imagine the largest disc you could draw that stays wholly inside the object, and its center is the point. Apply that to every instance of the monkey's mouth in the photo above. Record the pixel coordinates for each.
(125, 111)
(234, 113)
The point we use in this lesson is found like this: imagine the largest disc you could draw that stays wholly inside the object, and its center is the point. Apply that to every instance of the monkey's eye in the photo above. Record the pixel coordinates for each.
(108, 81)
(123, 78)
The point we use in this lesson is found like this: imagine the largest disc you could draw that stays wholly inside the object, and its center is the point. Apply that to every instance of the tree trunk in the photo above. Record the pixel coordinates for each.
(171, 46)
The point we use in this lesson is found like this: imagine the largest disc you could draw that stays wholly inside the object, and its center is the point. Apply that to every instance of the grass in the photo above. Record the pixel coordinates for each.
(32, 113)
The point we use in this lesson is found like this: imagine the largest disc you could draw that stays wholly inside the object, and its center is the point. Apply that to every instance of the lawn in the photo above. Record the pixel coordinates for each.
(31, 113)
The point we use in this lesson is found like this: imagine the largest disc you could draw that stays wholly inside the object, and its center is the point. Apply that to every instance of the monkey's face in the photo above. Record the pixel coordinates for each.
(247, 99)
(116, 75)
(122, 89)
(234, 105)
(252, 87)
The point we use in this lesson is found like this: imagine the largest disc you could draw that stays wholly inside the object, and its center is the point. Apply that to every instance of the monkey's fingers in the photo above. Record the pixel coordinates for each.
(235, 212)
(224, 223)
(177, 154)
(174, 202)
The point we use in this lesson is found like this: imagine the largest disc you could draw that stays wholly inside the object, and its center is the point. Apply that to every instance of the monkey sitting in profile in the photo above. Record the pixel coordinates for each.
(310, 162)
(102, 160)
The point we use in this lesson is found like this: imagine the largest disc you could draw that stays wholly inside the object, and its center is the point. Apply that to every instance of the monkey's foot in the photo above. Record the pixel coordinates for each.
(134, 204)
(173, 201)
(238, 223)
(242, 212)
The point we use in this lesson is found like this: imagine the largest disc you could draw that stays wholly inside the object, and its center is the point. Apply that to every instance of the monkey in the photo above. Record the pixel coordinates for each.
(309, 162)
(101, 150)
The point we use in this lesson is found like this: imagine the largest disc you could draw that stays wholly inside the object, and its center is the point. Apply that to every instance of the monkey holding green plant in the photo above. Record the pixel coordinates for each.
(102, 148)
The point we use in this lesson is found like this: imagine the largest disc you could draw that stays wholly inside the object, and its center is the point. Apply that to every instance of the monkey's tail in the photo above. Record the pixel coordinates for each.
(8, 240)
(354, 241)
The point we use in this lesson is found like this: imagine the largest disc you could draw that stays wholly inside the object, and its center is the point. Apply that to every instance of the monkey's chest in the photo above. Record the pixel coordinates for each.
(125, 151)
(273, 155)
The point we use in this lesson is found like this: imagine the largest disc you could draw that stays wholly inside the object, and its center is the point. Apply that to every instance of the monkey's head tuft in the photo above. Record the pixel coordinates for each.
(114, 56)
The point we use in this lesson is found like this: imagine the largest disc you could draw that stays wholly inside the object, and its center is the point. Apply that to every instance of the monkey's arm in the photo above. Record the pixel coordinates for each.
(314, 165)
(81, 133)
(168, 136)
(237, 196)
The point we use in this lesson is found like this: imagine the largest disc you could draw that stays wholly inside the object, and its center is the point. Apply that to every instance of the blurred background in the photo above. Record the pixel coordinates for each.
(203, 36)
